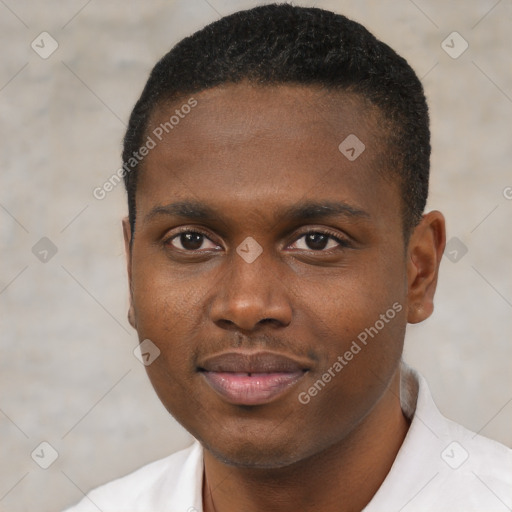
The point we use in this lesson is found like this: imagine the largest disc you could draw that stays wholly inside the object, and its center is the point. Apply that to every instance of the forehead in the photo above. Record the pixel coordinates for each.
(265, 145)
(243, 111)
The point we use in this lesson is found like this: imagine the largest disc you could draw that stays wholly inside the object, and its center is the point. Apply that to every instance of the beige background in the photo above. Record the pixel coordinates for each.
(68, 373)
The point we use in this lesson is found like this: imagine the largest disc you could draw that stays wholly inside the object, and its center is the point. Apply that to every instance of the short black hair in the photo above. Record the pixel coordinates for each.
(283, 44)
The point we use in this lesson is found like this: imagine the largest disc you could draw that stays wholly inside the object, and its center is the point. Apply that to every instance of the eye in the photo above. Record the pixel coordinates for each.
(318, 241)
(191, 241)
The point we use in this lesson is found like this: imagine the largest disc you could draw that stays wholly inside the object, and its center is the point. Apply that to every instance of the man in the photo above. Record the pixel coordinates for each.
(277, 170)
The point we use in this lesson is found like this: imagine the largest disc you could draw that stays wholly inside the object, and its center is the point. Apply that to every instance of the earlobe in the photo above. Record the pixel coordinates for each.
(131, 315)
(127, 247)
(424, 253)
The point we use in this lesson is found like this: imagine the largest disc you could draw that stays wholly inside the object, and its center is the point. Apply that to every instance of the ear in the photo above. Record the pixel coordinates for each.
(424, 253)
(127, 233)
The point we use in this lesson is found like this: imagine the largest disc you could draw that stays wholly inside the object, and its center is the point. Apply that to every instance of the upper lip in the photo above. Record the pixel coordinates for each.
(256, 362)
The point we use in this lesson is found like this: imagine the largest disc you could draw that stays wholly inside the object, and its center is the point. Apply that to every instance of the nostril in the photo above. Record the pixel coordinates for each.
(268, 321)
(225, 323)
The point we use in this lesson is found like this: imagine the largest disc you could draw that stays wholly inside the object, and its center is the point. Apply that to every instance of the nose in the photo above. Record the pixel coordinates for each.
(251, 295)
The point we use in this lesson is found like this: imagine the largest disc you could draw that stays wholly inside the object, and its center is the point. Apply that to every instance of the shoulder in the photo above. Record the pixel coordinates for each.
(487, 460)
(173, 482)
(474, 473)
(442, 465)
(463, 452)
(471, 467)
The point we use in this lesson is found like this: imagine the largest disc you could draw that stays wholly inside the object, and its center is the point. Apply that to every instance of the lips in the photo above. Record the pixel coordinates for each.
(251, 379)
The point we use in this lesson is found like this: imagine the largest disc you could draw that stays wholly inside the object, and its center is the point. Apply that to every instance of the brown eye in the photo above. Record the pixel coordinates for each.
(192, 241)
(317, 241)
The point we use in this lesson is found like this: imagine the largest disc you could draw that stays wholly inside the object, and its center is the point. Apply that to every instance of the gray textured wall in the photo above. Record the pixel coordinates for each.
(68, 373)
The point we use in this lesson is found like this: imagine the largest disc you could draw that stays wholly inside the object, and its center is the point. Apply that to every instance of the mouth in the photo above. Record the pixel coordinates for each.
(252, 379)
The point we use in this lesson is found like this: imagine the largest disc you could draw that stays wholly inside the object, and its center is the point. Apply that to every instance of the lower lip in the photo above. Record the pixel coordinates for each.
(256, 389)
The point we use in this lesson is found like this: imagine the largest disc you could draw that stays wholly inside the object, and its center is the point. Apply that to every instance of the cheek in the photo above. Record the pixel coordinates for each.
(360, 341)
(359, 320)
(346, 301)
(165, 300)
(366, 330)
(169, 312)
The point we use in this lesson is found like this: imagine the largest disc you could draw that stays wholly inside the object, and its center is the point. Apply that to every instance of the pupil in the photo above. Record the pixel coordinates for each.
(191, 241)
(316, 241)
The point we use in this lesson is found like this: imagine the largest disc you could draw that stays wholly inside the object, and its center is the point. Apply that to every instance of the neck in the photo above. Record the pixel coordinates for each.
(344, 477)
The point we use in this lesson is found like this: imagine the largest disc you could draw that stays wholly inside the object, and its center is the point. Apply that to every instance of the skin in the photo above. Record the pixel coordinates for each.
(250, 154)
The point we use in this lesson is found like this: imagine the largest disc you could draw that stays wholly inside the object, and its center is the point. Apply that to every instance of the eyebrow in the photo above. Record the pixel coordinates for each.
(186, 209)
(305, 210)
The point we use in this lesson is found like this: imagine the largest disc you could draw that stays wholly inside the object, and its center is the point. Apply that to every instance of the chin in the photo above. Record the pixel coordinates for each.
(252, 457)
(257, 454)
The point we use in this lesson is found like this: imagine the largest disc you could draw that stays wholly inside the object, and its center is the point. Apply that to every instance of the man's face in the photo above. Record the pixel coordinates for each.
(244, 336)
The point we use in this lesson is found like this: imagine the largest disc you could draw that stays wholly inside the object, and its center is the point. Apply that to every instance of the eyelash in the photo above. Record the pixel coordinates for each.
(343, 243)
(168, 240)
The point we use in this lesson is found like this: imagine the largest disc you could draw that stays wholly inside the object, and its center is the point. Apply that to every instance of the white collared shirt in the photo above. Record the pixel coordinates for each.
(441, 466)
